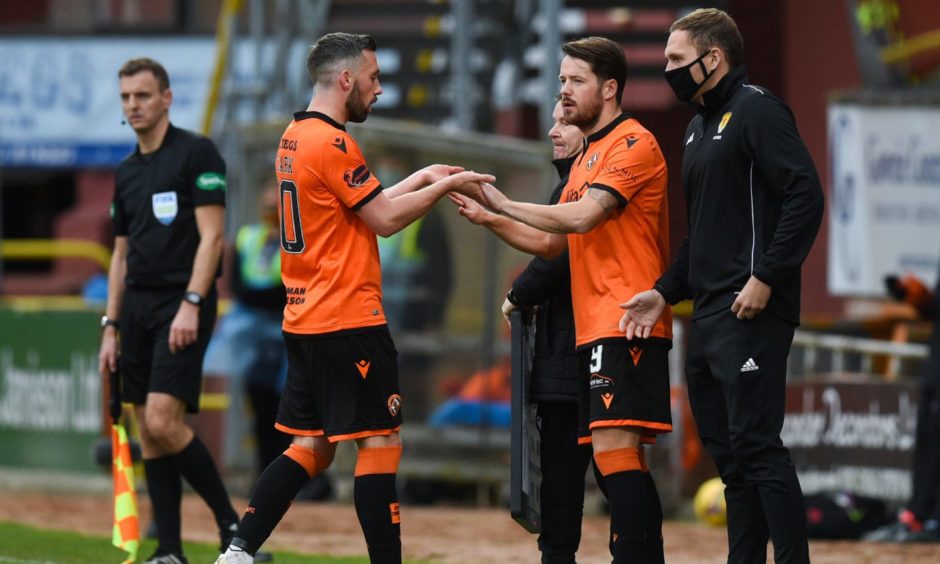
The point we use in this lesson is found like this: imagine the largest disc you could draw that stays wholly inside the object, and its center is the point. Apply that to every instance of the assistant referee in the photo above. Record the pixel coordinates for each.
(168, 213)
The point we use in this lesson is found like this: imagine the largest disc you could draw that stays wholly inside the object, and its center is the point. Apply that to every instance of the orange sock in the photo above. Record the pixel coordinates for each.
(617, 460)
(378, 460)
(306, 457)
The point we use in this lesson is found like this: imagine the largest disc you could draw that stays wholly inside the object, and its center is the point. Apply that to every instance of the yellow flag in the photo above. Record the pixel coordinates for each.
(126, 531)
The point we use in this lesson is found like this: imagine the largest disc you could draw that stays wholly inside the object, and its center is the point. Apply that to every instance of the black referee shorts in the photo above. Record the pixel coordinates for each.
(342, 386)
(146, 362)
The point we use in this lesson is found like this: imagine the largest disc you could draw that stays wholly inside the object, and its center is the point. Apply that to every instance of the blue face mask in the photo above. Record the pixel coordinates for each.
(681, 81)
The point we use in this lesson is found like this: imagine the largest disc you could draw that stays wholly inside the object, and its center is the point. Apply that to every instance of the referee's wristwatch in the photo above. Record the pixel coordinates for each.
(511, 297)
(193, 298)
(108, 322)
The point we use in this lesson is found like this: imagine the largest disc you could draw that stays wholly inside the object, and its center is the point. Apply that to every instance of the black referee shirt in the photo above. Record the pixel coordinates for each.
(154, 204)
(754, 201)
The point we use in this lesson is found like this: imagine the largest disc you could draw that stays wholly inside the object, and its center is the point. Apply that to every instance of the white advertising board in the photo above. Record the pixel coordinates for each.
(59, 102)
(884, 201)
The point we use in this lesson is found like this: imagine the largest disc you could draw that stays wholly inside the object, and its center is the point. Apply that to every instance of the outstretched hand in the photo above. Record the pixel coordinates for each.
(470, 208)
(436, 172)
(642, 312)
(469, 184)
(495, 199)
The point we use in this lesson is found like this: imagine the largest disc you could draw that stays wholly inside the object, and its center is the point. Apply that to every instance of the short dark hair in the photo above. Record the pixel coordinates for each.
(333, 48)
(134, 66)
(711, 27)
(605, 57)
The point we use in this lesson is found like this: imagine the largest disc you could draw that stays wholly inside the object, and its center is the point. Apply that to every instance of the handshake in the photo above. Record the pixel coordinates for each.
(470, 190)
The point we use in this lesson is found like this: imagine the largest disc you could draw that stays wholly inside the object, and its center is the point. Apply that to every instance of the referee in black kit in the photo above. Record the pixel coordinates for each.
(755, 204)
(168, 215)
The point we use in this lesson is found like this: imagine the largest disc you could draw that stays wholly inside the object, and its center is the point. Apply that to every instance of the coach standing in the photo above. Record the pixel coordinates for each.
(168, 213)
(754, 206)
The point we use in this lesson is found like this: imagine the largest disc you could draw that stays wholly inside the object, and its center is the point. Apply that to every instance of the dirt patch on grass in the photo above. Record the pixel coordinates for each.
(438, 534)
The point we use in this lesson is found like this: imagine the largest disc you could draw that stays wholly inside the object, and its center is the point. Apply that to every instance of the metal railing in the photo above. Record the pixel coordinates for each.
(810, 349)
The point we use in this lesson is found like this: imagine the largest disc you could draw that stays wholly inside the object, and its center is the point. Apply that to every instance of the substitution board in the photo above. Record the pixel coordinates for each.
(526, 472)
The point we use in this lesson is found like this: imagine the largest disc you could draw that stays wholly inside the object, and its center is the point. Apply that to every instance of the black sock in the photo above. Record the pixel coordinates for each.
(197, 467)
(377, 507)
(166, 491)
(627, 495)
(599, 479)
(272, 495)
(654, 521)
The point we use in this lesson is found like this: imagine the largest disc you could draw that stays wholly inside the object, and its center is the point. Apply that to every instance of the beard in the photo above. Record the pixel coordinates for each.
(356, 110)
(585, 118)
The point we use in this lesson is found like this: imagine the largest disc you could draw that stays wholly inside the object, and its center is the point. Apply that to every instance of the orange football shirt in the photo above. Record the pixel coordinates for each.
(628, 251)
(329, 256)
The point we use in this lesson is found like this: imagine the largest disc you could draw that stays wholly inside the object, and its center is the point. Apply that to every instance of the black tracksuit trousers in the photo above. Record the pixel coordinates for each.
(925, 497)
(737, 389)
(564, 463)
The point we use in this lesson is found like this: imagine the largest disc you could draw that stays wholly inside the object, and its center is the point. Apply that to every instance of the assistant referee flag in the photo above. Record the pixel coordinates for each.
(126, 531)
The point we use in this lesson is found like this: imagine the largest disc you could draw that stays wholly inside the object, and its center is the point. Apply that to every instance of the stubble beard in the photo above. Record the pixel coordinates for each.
(586, 118)
(356, 110)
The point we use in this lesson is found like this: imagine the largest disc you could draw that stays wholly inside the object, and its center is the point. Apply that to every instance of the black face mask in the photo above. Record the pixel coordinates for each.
(681, 81)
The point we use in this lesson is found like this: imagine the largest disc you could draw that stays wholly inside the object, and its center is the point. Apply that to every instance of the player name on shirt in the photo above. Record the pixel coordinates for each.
(285, 164)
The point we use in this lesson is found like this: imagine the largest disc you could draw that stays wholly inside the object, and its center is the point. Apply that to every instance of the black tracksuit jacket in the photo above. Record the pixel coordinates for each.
(754, 202)
(547, 283)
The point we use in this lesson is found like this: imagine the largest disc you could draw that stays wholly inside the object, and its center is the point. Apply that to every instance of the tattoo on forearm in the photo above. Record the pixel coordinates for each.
(607, 201)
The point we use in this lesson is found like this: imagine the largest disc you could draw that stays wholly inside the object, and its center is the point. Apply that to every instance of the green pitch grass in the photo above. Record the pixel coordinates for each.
(27, 545)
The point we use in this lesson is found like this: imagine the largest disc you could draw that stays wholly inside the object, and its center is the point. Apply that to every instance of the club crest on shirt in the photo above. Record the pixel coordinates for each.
(358, 177)
(724, 121)
(592, 161)
(165, 207)
(394, 404)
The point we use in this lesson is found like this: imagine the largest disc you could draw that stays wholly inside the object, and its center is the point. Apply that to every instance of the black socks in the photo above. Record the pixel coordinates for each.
(196, 465)
(166, 492)
(377, 507)
(272, 496)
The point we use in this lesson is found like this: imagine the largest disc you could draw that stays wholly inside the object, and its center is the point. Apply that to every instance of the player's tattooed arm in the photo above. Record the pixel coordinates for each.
(604, 198)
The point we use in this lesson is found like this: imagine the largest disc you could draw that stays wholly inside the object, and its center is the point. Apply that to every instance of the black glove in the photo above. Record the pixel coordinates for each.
(114, 401)
(895, 288)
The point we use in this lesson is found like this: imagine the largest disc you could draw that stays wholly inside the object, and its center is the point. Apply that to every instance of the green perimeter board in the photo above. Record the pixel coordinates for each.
(50, 390)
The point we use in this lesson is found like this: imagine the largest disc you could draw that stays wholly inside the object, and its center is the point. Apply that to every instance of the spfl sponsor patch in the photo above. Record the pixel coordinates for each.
(210, 181)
